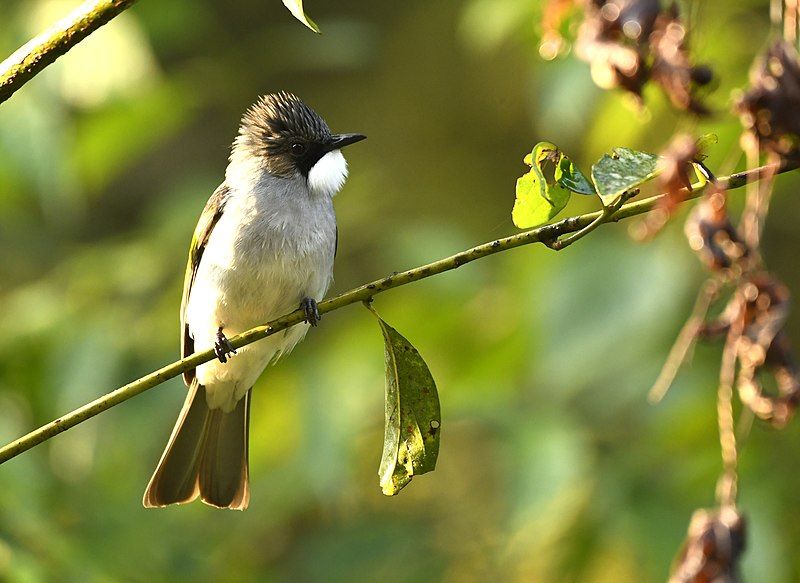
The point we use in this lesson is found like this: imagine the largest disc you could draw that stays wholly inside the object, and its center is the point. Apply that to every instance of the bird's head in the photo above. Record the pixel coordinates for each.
(290, 139)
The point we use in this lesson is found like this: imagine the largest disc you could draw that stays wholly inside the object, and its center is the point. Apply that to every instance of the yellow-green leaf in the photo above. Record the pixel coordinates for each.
(704, 143)
(535, 202)
(541, 152)
(531, 206)
(413, 416)
(296, 8)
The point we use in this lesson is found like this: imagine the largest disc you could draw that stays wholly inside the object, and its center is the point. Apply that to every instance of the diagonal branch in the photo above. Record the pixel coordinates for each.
(27, 61)
(545, 234)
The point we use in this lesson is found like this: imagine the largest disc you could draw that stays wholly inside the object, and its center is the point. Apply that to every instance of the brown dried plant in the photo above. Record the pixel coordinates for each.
(628, 43)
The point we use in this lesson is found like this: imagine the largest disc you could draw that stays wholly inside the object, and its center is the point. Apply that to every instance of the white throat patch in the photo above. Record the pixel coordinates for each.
(327, 176)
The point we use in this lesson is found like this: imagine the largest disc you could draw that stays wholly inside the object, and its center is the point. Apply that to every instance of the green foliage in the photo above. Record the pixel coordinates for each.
(568, 176)
(704, 143)
(614, 175)
(618, 173)
(413, 416)
(296, 8)
(535, 202)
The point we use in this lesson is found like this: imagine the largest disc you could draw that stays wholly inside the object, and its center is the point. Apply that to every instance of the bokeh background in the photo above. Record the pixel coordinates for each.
(553, 467)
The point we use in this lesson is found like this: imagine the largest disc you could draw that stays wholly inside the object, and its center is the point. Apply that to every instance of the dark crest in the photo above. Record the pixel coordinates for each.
(285, 131)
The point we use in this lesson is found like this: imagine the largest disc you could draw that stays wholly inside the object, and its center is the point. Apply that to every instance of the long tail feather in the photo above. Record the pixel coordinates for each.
(206, 456)
(224, 474)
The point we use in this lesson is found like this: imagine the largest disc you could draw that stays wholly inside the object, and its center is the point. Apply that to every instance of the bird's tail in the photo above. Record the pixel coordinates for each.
(206, 456)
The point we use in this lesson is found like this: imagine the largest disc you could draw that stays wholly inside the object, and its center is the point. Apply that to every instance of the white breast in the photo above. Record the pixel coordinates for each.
(273, 246)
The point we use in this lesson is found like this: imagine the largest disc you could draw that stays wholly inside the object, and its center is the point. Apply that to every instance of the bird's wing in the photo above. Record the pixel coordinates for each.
(209, 217)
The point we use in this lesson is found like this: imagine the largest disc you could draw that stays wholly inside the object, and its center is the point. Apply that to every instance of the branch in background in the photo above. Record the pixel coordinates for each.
(27, 61)
(31, 58)
(545, 234)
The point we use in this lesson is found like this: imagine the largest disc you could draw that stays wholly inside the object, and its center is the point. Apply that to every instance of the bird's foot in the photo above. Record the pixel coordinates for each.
(309, 307)
(222, 347)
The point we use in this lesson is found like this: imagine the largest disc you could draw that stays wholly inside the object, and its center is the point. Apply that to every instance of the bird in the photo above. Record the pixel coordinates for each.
(264, 246)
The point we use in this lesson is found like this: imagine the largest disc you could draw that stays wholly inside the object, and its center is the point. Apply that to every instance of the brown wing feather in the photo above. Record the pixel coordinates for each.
(209, 217)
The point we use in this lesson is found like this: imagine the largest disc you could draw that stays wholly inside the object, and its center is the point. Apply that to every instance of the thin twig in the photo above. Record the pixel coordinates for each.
(31, 58)
(686, 340)
(728, 484)
(359, 294)
(775, 12)
(757, 198)
(746, 418)
(790, 15)
(605, 216)
(749, 221)
(762, 209)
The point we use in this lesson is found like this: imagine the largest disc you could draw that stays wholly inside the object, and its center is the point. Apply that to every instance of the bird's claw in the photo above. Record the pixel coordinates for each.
(222, 347)
(310, 309)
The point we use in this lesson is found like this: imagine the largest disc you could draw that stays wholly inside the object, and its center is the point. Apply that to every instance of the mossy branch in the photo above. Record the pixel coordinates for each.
(31, 58)
(545, 234)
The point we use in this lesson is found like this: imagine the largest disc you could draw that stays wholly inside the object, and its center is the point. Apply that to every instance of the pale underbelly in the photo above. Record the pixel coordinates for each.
(229, 299)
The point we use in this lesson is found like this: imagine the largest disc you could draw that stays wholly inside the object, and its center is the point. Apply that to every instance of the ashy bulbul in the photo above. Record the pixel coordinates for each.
(263, 246)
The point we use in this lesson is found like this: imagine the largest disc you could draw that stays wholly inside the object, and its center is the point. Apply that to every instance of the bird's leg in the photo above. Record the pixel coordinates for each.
(309, 307)
(222, 346)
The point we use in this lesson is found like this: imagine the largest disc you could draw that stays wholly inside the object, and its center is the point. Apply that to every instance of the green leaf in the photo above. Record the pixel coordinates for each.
(541, 152)
(296, 8)
(568, 176)
(532, 206)
(413, 416)
(704, 143)
(622, 171)
(535, 202)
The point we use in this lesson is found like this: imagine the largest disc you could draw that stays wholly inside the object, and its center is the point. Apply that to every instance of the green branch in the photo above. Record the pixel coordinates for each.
(606, 215)
(36, 54)
(545, 234)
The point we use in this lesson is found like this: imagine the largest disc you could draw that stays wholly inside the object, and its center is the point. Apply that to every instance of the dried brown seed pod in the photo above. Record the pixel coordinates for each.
(616, 59)
(765, 305)
(714, 544)
(777, 409)
(769, 108)
(764, 348)
(628, 42)
(712, 235)
(674, 167)
(672, 68)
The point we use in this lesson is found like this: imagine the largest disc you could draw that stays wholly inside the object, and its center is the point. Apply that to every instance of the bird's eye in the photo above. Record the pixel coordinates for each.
(298, 148)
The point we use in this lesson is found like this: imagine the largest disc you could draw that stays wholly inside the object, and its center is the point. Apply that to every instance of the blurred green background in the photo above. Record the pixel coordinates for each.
(553, 467)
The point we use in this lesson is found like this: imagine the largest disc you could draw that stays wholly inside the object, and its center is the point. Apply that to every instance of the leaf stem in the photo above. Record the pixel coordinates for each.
(547, 233)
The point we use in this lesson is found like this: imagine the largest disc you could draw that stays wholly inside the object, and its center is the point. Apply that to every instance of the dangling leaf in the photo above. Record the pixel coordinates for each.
(622, 171)
(296, 8)
(535, 202)
(568, 176)
(413, 416)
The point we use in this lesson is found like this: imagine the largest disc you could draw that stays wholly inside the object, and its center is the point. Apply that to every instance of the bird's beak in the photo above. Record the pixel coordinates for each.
(342, 140)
